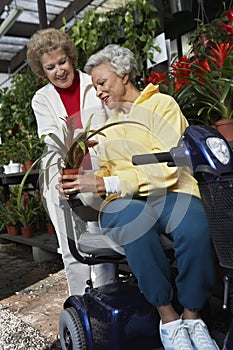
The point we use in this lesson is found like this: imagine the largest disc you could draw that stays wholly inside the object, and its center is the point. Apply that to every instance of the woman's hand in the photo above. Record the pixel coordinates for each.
(74, 183)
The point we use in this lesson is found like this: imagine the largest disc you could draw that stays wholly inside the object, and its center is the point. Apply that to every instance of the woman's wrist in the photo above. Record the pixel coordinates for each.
(100, 185)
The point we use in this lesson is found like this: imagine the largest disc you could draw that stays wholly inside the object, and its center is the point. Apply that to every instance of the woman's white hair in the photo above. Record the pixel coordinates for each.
(120, 58)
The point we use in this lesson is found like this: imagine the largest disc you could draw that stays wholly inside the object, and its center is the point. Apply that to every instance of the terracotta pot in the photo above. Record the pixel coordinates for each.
(225, 127)
(66, 171)
(70, 171)
(27, 165)
(27, 232)
(12, 230)
(50, 228)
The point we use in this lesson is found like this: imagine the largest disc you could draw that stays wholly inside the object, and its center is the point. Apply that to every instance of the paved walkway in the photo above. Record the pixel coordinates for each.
(34, 293)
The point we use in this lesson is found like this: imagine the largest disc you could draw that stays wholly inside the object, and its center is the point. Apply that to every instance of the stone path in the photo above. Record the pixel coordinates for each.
(33, 293)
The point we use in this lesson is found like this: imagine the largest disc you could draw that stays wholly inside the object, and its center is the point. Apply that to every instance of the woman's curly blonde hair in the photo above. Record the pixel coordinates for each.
(45, 41)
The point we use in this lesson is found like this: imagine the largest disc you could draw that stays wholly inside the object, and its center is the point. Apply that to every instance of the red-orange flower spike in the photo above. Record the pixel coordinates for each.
(157, 77)
(204, 65)
(25, 199)
(228, 26)
(182, 67)
(222, 51)
(179, 83)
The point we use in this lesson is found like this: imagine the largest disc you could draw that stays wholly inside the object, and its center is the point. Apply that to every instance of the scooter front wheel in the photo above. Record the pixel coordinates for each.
(71, 331)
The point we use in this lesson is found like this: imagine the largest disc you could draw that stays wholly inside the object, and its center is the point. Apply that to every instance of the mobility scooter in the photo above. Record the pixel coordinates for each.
(117, 316)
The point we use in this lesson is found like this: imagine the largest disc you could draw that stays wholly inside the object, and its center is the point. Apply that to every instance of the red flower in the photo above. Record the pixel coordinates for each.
(178, 84)
(156, 77)
(25, 200)
(221, 52)
(204, 65)
(38, 196)
(228, 27)
(181, 71)
(182, 67)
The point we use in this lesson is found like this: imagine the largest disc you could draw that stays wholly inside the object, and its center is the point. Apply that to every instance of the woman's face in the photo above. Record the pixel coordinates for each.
(58, 68)
(110, 88)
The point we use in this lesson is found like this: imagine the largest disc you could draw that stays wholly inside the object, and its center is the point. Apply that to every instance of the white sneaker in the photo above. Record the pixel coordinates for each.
(199, 335)
(174, 336)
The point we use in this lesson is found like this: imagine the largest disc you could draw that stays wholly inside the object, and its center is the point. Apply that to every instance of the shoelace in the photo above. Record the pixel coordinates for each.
(201, 334)
(180, 337)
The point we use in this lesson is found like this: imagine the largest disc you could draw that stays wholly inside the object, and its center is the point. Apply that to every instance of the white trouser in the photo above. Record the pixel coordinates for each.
(77, 273)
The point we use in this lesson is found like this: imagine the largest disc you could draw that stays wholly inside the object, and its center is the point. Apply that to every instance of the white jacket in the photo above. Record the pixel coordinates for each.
(50, 114)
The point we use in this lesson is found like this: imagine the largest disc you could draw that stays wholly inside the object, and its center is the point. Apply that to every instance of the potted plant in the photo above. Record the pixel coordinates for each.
(9, 213)
(68, 150)
(9, 217)
(27, 213)
(9, 151)
(16, 114)
(30, 148)
(218, 30)
(134, 25)
(71, 148)
(202, 81)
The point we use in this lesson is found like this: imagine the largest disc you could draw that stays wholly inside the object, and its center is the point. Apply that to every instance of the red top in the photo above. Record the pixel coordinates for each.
(71, 100)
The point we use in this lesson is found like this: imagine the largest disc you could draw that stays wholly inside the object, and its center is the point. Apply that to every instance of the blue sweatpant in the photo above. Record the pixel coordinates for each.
(137, 224)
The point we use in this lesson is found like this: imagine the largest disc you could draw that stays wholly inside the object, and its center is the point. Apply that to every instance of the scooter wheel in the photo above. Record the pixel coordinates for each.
(71, 331)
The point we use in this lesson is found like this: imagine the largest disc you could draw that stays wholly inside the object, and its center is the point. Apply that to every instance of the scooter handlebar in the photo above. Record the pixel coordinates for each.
(151, 158)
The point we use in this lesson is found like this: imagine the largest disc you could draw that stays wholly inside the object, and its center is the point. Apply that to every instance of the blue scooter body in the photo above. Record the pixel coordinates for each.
(198, 152)
(117, 317)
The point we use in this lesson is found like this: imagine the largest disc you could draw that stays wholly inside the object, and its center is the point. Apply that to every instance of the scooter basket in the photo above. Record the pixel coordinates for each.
(217, 199)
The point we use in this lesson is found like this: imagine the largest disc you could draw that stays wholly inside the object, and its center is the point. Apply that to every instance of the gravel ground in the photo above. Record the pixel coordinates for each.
(17, 335)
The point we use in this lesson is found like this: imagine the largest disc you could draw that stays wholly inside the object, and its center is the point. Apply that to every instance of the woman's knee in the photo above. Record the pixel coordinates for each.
(125, 221)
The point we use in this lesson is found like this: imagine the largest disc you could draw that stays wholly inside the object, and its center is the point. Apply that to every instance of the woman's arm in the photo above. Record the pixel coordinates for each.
(87, 182)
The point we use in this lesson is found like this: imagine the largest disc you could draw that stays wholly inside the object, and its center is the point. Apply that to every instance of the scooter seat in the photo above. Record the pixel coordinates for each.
(99, 245)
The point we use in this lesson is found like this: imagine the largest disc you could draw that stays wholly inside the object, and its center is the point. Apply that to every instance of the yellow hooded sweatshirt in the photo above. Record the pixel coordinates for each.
(164, 124)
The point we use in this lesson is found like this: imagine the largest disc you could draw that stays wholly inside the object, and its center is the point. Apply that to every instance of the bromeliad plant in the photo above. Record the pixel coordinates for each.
(207, 83)
(28, 209)
(68, 150)
(202, 81)
(72, 148)
(8, 210)
(8, 214)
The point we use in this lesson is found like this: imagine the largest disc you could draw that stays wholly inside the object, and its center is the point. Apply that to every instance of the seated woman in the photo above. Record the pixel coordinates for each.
(143, 201)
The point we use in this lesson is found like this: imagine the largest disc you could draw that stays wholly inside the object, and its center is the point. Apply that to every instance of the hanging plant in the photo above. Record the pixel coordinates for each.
(133, 26)
(16, 114)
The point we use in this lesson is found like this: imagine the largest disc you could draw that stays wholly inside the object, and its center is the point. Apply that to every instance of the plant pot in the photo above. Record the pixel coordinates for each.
(12, 230)
(27, 165)
(178, 6)
(50, 228)
(225, 127)
(69, 171)
(28, 231)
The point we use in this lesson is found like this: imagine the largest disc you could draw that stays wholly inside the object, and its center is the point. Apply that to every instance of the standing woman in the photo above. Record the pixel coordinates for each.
(69, 94)
(144, 201)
